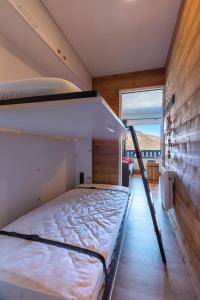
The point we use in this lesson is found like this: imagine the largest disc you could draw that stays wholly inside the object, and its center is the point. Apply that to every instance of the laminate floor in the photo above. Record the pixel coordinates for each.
(141, 273)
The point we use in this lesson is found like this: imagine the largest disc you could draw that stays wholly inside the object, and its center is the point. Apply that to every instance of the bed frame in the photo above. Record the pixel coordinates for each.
(108, 289)
(63, 108)
(111, 272)
(49, 98)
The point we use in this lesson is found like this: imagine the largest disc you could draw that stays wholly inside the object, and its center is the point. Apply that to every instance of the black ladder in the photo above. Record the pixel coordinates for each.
(147, 191)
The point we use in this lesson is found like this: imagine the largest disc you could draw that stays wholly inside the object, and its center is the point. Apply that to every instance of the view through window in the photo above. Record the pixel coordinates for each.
(143, 110)
(149, 141)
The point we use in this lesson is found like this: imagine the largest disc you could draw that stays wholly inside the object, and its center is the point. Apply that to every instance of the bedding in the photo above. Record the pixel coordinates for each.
(127, 159)
(88, 216)
(35, 87)
(130, 162)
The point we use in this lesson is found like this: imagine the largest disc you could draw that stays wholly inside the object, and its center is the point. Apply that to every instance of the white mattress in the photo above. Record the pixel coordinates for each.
(84, 217)
(35, 87)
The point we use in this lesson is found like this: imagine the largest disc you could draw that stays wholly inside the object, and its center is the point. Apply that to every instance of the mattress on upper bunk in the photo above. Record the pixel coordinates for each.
(86, 217)
(35, 87)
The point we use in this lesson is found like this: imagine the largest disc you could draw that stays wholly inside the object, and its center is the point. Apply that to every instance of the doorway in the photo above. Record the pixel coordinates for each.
(143, 110)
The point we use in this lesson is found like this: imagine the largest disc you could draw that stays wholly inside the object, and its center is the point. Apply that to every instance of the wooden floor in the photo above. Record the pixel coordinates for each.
(141, 273)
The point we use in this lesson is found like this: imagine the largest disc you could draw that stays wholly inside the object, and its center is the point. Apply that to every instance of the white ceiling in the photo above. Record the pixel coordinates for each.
(117, 36)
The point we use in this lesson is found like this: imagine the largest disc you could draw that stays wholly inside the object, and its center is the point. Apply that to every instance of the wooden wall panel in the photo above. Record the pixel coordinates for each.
(106, 169)
(109, 86)
(183, 80)
(105, 157)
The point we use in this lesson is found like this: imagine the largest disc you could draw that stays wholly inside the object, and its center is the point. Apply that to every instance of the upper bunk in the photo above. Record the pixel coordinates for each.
(55, 112)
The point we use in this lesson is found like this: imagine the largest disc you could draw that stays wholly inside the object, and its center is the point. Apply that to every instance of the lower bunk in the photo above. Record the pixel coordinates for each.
(36, 261)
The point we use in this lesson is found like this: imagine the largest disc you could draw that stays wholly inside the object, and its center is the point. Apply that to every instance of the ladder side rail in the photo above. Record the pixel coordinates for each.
(147, 191)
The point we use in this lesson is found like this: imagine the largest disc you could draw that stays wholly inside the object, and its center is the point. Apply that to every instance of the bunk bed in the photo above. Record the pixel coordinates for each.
(69, 248)
(58, 113)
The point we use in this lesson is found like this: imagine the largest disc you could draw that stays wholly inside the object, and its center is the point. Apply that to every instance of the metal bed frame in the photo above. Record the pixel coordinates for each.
(111, 271)
(49, 98)
(108, 289)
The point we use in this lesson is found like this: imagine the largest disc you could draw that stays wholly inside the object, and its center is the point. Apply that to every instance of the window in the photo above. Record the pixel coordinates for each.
(149, 141)
(143, 110)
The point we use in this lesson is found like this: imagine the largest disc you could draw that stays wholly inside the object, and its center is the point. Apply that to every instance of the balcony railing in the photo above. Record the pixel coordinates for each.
(145, 153)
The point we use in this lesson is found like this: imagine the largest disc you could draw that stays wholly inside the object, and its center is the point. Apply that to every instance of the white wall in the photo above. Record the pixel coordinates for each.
(83, 155)
(33, 170)
(14, 64)
(32, 31)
